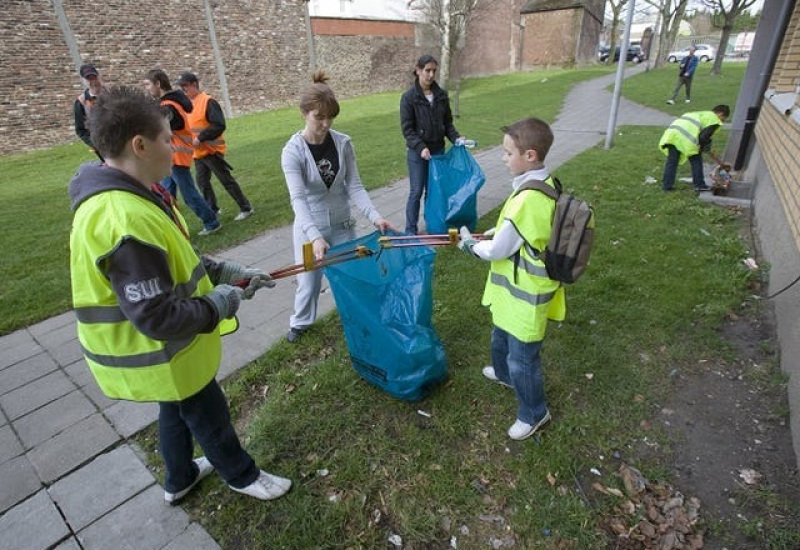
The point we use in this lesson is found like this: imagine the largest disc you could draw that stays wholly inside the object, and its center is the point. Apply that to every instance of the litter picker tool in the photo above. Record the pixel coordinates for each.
(405, 241)
(310, 263)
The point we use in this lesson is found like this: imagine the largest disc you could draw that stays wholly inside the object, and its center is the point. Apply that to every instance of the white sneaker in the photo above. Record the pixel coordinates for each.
(266, 487)
(205, 232)
(670, 102)
(522, 430)
(243, 215)
(489, 373)
(688, 101)
(204, 469)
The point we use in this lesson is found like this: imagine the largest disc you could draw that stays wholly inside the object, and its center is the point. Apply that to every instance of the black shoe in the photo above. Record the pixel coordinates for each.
(294, 335)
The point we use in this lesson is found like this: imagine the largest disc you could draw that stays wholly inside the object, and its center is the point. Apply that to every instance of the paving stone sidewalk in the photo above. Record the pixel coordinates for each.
(69, 479)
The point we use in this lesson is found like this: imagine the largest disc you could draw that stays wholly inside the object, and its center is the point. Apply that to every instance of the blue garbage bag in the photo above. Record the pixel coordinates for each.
(385, 302)
(452, 198)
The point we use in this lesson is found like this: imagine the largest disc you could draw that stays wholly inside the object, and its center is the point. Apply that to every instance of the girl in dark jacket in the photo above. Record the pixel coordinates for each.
(426, 119)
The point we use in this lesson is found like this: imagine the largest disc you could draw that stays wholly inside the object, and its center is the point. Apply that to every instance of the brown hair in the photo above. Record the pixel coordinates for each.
(319, 97)
(531, 133)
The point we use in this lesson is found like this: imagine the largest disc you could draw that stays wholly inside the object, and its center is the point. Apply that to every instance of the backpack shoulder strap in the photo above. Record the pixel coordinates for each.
(542, 187)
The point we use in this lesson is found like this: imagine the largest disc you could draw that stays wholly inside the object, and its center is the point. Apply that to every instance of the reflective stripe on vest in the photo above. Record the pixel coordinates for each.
(182, 148)
(684, 133)
(198, 122)
(520, 294)
(126, 363)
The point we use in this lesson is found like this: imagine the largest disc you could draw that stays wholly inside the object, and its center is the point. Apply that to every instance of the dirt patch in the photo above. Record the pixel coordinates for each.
(732, 442)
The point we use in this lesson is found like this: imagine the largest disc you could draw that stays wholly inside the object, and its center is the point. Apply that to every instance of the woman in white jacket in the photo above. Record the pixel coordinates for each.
(321, 173)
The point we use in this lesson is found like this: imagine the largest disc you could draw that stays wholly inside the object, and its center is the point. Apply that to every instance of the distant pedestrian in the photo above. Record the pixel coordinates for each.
(425, 119)
(322, 176)
(156, 83)
(688, 137)
(208, 126)
(150, 311)
(85, 101)
(686, 70)
(519, 293)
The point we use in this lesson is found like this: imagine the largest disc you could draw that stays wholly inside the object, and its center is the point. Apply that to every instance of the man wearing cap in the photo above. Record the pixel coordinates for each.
(208, 126)
(83, 104)
(156, 84)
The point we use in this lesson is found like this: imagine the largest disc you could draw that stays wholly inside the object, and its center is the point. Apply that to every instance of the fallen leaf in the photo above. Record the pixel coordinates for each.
(751, 477)
(589, 375)
(551, 479)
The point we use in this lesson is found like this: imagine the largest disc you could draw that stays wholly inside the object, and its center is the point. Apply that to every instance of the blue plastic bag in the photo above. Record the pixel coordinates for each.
(452, 198)
(385, 303)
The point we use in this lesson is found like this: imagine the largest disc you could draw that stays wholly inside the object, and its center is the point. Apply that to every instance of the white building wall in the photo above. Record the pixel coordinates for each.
(392, 10)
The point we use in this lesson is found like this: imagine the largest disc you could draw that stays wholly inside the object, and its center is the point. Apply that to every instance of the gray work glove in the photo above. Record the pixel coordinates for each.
(466, 242)
(231, 273)
(225, 299)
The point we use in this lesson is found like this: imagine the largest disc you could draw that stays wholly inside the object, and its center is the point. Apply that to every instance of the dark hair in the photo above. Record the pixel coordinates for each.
(319, 97)
(160, 77)
(120, 114)
(531, 133)
(424, 60)
(723, 110)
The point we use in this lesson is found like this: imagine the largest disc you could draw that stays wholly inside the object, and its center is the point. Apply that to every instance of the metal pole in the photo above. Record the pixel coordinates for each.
(223, 81)
(623, 57)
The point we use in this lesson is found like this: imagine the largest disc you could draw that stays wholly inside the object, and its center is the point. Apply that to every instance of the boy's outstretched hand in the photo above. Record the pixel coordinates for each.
(466, 242)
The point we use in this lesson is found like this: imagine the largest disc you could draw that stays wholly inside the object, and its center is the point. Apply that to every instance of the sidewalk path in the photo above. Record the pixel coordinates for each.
(70, 480)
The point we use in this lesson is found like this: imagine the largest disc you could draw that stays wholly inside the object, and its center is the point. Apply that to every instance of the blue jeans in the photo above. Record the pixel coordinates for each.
(206, 416)
(181, 178)
(671, 169)
(518, 364)
(418, 179)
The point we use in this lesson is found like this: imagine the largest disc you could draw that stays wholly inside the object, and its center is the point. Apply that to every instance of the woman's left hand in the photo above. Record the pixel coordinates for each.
(383, 225)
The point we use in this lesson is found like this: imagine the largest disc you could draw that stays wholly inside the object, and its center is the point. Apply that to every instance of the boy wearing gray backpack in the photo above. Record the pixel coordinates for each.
(519, 293)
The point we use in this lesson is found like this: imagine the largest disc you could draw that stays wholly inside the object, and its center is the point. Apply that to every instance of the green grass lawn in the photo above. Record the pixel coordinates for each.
(36, 216)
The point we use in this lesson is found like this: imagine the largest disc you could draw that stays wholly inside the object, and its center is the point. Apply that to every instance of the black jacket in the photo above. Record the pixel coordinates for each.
(425, 124)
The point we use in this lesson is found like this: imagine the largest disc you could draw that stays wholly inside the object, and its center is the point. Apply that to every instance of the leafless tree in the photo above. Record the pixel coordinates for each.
(671, 16)
(729, 10)
(616, 10)
(449, 19)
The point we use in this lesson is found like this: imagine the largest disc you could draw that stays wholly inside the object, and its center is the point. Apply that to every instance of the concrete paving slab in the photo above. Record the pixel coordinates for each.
(129, 417)
(72, 447)
(142, 523)
(100, 486)
(67, 353)
(26, 370)
(69, 544)
(96, 395)
(19, 338)
(33, 525)
(45, 422)
(57, 336)
(10, 445)
(194, 538)
(53, 323)
(36, 394)
(18, 481)
(79, 373)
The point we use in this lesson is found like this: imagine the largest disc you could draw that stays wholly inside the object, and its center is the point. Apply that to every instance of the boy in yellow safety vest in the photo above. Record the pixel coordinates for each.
(519, 294)
(149, 310)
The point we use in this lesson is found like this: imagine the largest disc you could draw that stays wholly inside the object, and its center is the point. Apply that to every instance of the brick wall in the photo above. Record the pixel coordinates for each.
(561, 37)
(492, 44)
(364, 57)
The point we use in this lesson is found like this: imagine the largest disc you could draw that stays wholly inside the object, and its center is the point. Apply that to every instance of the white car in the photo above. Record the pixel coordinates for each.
(704, 53)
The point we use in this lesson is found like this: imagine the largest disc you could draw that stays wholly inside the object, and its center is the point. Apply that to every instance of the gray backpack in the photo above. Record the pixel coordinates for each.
(567, 252)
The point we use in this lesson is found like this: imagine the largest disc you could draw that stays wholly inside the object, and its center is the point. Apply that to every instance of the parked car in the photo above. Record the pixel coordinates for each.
(704, 53)
(635, 53)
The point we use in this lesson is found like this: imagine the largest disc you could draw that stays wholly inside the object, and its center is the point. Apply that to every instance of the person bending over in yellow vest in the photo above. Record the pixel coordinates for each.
(519, 294)
(688, 137)
(150, 312)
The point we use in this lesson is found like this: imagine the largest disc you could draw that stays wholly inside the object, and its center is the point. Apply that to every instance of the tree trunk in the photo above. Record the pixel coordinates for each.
(444, 65)
(723, 45)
